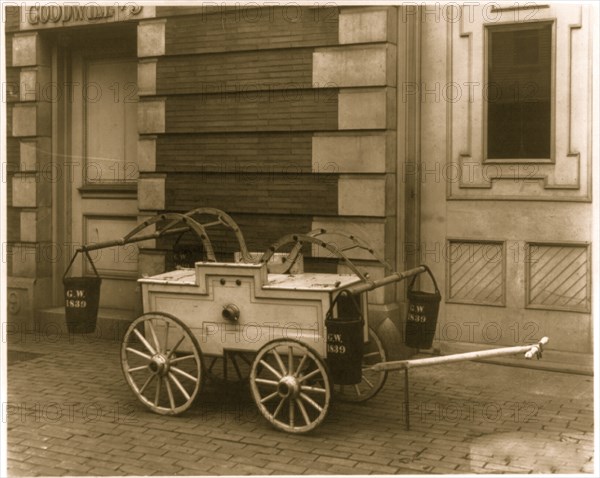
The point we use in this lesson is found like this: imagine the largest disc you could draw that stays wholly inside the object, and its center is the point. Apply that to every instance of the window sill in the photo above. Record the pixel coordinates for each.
(518, 161)
(109, 191)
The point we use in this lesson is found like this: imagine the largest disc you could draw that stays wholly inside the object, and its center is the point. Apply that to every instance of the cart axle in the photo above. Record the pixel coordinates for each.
(288, 387)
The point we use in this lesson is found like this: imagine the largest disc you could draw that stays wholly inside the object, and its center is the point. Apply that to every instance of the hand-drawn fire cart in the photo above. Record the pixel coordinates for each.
(299, 338)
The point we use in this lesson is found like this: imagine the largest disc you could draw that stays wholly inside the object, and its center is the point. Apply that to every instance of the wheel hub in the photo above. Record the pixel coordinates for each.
(288, 386)
(159, 365)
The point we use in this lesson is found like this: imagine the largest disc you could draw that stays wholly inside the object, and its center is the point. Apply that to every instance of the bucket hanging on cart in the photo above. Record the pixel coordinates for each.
(345, 340)
(82, 297)
(421, 319)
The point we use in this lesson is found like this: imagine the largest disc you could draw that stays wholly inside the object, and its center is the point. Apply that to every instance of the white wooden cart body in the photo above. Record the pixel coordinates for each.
(272, 306)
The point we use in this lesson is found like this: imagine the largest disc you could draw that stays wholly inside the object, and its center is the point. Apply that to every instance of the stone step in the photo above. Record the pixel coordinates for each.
(111, 323)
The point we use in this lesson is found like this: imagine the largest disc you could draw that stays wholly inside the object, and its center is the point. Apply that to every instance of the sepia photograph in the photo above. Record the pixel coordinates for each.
(303, 237)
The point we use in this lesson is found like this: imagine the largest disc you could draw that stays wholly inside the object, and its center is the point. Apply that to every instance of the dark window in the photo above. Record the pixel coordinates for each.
(519, 92)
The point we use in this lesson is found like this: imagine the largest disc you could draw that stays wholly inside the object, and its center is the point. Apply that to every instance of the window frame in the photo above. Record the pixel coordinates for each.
(511, 26)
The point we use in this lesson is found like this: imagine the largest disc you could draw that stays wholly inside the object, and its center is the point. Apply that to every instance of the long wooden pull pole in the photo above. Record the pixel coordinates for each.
(529, 350)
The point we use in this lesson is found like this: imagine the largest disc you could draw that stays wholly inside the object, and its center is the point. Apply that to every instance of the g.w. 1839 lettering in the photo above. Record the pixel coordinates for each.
(76, 298)
(415, 313)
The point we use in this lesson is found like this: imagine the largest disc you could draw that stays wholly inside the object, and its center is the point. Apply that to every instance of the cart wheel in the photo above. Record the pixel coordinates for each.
(162, 363)
(290, 385)
(232, 368)
(372, 381)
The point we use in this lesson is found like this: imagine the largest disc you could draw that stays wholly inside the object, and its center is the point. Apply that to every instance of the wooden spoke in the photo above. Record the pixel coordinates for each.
(368, 382)
(170, 393)
(136, 369)
(310, 375)
(166, 336)
(279, 407)
(137, 352)
(371, 381)
(144, 341)
(279, 361)
(183, 374)
(290, 359)
(271, 369)
(172, 351)
(301, 364)
(182, 358)
(154, 337)
(157, 393)
(306, 388)
(179, 386)
(147, 382)
(291, 411)
(303, 410)
(269, 397)
(311, 401)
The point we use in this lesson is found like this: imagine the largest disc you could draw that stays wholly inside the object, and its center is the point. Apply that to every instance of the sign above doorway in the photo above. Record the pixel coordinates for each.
(54, 16)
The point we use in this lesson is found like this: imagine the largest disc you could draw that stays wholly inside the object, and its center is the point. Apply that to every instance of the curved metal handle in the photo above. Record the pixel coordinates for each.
(428, 270)
(347, 293)
(87, 255)
(296, 239)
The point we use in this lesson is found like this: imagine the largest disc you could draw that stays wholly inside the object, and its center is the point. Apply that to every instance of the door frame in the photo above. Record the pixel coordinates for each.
(61, 172)
(64, 45)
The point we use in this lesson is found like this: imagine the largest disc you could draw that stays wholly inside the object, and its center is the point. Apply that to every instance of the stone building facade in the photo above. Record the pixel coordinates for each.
(399, 124)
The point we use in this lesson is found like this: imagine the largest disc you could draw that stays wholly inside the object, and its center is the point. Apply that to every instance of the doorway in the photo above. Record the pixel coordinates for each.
(95, 134)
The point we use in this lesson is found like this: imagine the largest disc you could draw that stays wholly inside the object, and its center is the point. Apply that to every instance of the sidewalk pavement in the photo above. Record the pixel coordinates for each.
(70, 412)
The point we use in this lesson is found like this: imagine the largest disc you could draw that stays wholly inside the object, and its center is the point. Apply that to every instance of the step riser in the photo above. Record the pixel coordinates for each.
(52, 323)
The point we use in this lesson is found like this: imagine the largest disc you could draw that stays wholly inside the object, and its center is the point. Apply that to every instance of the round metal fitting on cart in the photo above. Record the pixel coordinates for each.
(231, 312)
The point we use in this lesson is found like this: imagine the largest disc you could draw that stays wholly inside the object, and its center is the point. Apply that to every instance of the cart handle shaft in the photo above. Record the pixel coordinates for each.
(123, 241)
(529, 350)
(395, 277)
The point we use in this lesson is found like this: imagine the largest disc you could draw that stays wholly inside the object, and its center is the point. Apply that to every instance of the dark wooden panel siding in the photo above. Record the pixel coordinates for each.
(12, 153)
(237, 72)
(240, 112)
(254, 193)
(13, 225)
(8, 49)
(9, 114)
(259, 230)
(280, 110)
(257, 29)
(13, 216)
(208, 8)
(250, 152)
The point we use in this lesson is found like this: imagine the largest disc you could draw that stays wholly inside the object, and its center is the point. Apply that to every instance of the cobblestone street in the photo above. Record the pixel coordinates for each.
(70, 412)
